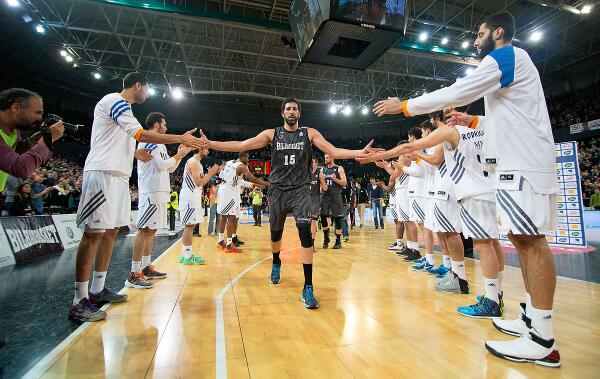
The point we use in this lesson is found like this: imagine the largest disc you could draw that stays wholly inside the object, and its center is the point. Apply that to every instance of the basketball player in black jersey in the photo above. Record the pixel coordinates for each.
(289, 182)
(333, 180)
(315, 194)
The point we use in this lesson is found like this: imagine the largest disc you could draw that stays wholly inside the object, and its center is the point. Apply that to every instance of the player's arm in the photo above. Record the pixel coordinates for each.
(464, 119)
(342, 181)
(242, 169)
(484, 80)
(324, 186)
(414, 170)
(434, 159)
(168, 163)
(317, 139)
(199, 180)
(389, 187)
(259, 141)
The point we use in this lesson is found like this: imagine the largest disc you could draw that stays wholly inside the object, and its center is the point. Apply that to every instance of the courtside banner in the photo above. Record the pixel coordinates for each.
(69, 233)
(6, 256)
(585, 126)
(31, 236)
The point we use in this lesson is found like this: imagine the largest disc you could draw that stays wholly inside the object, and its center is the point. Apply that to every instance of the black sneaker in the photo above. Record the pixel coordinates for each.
(106, 296)
(338, 244)
(326, 242)
(236, 241)
(412, 255)
(151, 273)
(85, 311)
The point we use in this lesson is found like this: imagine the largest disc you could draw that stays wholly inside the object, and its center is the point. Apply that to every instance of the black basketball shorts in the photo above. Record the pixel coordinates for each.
(332, 205)
(295, 201)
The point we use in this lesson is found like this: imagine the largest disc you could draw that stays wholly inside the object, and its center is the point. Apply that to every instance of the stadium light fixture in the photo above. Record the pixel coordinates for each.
(465, 44)
(97, 75)
(365, 111)
(68, 58)
(586, 9)
(151, 91)
(63, 53)
(347, 111)
(12, 3)
(177, 93)
(333, 109)
(536, 36)
(40, 29)
(444, 41)
(75, 65)
(423, 37)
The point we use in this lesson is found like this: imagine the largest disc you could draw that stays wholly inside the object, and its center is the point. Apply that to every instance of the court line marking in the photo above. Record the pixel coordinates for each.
(55, 354)
(220, 348)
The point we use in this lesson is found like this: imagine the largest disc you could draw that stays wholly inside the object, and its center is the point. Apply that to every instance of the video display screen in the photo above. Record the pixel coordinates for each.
(387, 14)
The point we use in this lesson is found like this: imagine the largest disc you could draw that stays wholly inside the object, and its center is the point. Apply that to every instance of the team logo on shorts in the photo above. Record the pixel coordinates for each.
(70, 232)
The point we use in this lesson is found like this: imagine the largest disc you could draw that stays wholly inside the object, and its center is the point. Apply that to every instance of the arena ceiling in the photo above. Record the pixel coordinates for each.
(232, 51)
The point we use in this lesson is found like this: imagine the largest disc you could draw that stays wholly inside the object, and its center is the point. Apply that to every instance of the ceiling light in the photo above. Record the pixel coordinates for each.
(423, 37)
(75, 65)
(97, 75)
(465, 44)
(69, 58)
(12, 3)
(333, 109)
(536, 36)
(365, 110)
(347, 111)
(586, 9)
(444, 41)
(151, 91)
(40, 29)
(177, 93)
(63, 53)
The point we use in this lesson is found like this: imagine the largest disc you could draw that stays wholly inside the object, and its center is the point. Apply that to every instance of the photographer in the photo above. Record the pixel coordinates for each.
(21, 109)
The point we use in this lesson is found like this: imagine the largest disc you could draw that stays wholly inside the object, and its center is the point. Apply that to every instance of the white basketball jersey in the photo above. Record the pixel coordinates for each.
(466, 172)
(228, 173)
(190, 192)
(416, 179)
(401, 185)
(442, 186)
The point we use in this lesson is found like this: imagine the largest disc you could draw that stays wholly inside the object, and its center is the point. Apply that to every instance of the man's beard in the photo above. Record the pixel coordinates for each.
(24, 124)
(487, 47)
(291, 121)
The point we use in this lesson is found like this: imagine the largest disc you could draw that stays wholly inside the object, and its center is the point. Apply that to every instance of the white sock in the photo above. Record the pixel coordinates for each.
(430, 259)
(459, 269)
(186, 251)
(229, 241)
(136, 266)
(491, 289)
(447, 261)
(527, 303)
(221, 237)
(146, 260)
(500, 277)
(81, 291)
(98, 281)
(413, 245)
(399, 242)
(541, 321)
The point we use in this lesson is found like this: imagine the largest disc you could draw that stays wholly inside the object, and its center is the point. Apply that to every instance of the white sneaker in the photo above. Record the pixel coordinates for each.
(517, 327)
(395, 246)
(528, 348)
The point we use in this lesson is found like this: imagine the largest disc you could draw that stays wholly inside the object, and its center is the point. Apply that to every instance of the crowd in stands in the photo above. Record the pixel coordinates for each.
(589, 167)
(575, 107)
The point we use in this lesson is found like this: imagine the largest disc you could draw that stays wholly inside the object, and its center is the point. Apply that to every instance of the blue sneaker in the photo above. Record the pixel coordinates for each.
(419, 261)
(486, 308)
(480, 297)
(442, 276)
(308, 298)
(423, 266)
(441, 270)
(275, 274)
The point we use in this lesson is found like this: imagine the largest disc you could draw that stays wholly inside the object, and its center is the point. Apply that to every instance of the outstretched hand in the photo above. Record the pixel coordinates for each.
(392, 105)
(372, 156)
(143, 155)
(190, 141)
(458, 118)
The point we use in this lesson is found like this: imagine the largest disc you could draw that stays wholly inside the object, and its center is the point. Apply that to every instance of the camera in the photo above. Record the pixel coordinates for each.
(70, 129)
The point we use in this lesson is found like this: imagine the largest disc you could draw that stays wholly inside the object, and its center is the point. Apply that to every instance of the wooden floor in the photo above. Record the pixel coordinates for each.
(377, 318)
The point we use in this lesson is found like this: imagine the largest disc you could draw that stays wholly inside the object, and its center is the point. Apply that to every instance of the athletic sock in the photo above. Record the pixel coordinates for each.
(528, 304)
(146, 260)
(430, 259)
(221, 237)
(81, 291)
(136, 266)
(541, 322)
(398, 242)
(307, 274)
(459, 269)
(276, 259)
(229, 241)
(98, 281)
(447, 261)
(491, 289)
(500, 278)
(411, 245)
(186, 251)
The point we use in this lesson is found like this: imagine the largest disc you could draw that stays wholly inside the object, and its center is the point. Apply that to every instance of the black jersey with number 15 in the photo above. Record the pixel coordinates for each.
(291, 155)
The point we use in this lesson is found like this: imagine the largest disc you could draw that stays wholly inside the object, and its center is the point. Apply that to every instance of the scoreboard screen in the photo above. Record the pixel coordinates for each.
(260, 167)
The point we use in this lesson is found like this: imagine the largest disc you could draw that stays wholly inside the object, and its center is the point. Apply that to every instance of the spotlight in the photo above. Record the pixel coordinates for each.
(97, 75)
(423, 37)
(586, 9)
(470, 70)
(177, 93)
(365, 110)
(465, 44)
(75, 65)
(347, 111)
(63, 53)
(151, 91)
(444, 41)
(40, 29)
(536, 36)
(333, 109)
(12, 3)
(69, 58)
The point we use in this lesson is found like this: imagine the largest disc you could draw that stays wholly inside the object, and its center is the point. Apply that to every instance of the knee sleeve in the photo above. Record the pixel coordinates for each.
(337, 221)
(305, 236)
(324, 223)
(276, 235)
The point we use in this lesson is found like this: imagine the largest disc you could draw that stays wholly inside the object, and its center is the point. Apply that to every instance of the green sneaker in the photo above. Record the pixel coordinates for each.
(193, 260)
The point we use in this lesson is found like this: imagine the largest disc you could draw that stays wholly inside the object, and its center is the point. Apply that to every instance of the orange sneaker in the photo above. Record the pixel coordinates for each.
(231, 248)
(221, 245)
